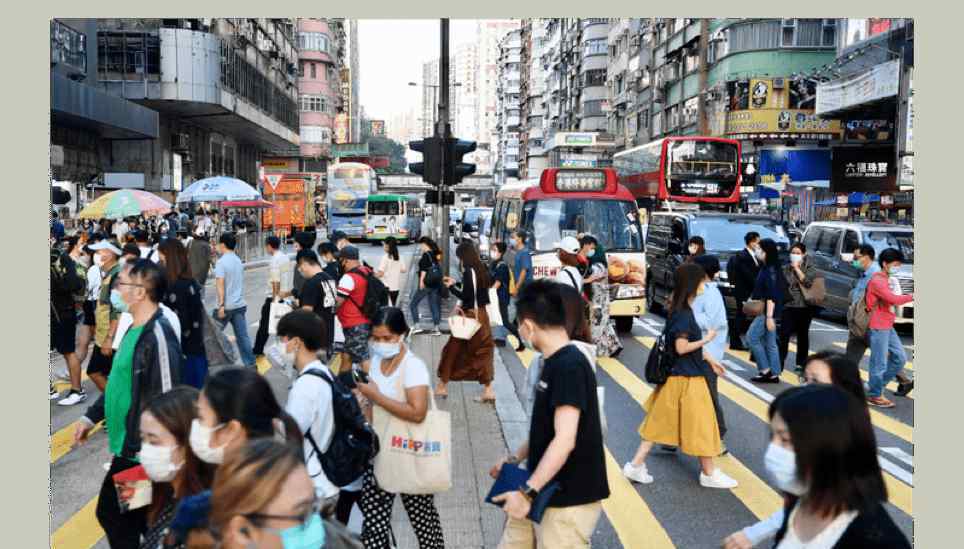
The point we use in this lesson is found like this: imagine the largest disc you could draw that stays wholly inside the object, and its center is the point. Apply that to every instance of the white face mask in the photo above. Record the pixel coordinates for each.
(201, 443)
(385, 350)
(781, 465)
(526, 341)
(693, 249)
(158, 461)
(796, 258)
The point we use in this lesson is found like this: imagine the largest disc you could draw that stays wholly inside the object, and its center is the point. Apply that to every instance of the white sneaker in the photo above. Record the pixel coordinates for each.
(718, 479)
(73, 397)
(637, 474)
(54, 394)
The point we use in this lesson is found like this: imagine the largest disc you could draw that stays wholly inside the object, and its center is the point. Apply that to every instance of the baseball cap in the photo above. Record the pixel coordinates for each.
(107, 245)
(569, 244)
(348, 252)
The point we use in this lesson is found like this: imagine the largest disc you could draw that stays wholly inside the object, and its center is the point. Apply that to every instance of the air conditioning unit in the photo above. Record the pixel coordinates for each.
(181, 141)
(779, 83)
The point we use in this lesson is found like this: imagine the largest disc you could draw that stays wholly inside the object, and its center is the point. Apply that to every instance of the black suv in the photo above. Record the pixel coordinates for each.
(666, 243)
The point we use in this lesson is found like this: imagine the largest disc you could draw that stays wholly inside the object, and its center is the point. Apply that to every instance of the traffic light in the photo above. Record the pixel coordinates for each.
(455, 169)
(430, 168)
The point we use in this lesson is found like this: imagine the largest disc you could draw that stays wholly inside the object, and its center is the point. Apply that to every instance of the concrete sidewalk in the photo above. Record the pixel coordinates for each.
(481, 435)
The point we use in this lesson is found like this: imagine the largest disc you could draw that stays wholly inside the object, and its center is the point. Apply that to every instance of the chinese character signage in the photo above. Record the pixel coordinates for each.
(782, 123)
(378, 128)
(876, 83)
(863, 169)
(341, 128)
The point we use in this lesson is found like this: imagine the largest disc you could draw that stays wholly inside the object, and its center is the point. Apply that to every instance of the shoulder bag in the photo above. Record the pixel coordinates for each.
(414, 458)
(816, 293)
(659, 363)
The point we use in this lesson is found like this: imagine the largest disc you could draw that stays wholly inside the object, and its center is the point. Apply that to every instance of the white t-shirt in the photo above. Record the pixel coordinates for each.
(149, 253)
(120, 230)
(309, 404)
(826, 539)
(126, 321)
(393, 272)
(569, 275)
(415, 371)
(281, 270)
(94, 278)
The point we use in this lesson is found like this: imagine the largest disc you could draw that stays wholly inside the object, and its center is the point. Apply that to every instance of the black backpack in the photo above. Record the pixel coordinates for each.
(354, 443)
(659, 364)
(433, 277)
(376, 294)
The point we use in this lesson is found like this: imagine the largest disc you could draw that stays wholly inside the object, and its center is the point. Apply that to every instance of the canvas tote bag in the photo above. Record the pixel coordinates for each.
(414, 458)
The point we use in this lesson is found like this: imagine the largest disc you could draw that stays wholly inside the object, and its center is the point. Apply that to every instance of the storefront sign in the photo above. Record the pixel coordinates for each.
(842, 199)
(349, 149)
(877, 83)
(583, 139)
(886, 200)
(341, 128)
(279, 165)
(869, 130)
(378, 128)
(863, 169)
(783, 122)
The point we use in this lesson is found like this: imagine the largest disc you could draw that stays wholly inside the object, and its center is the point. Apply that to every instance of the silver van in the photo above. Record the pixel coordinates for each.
(831, 245)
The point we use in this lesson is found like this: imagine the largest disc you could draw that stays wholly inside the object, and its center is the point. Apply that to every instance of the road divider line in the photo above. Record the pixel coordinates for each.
(62, 441)
(626, 510)
(879, 419)
(755, 494)
(900, 494)
(909, 364)
(81, 531)
(899, 454)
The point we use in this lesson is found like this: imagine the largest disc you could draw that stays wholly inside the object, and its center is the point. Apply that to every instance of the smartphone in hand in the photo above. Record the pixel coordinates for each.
(359, 376)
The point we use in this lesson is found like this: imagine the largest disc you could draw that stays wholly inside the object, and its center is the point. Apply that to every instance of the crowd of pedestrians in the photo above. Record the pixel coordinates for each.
(231, 467)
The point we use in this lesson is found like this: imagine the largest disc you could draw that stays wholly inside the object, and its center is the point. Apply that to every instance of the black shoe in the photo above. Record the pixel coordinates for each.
(725, 452)
(499, 343)
(520, 348)
(904, 389)
(765, 378)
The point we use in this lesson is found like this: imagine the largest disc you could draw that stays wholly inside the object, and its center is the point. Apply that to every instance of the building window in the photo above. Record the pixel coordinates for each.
(315, 135)
(596, 77)
(315, 103)
(657, 124)
(644, 78)
(642, 119)
(672, 119)
(314, 74)
(690, 111)
(593, 108)
(313, 41)
(807, 33)
(692, 60)
(229, 161)
(301, 69)
(67, 46)
(678, 24)
(594, 47)
(829, 33)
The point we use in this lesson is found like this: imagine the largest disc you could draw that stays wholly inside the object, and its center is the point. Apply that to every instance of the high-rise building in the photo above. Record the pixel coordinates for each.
(533, 84)
(509, 121)
(319, 90)
(489, 33)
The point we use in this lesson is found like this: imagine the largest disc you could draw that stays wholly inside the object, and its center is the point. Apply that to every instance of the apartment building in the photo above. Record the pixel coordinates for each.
(508, 107)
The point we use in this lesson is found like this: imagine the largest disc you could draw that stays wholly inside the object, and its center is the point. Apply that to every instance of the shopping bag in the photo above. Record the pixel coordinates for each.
(492, 309)
(278, 310)
(413, 458)
(463, 327)
(217, 347)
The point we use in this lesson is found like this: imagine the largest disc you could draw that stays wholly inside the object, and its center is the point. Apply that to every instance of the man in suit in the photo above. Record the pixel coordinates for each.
(741, 271)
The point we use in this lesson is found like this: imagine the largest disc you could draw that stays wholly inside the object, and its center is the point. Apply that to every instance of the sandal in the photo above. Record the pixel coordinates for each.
(483, 399)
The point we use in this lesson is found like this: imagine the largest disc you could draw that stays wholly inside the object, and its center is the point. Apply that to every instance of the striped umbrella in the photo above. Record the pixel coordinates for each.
(125, 203)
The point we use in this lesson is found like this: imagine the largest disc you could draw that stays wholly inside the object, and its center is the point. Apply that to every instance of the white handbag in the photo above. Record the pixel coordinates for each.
(278, 310)
(415, 458)
(463, 327)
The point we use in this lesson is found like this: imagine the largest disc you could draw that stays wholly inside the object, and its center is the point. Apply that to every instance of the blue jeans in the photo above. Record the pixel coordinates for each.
(887, 359)
(434, 303)
(763, 345)
(236, 318)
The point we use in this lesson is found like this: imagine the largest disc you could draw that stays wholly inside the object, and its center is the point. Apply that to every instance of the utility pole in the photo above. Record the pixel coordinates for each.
(444, 131)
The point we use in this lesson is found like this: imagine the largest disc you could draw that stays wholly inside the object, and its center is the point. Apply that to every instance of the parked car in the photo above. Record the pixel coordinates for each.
(469, 224)
(832, 243)
(666, 243)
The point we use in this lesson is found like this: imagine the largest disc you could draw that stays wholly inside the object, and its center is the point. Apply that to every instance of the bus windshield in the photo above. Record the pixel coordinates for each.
(614, 223)
(701, 159)
(383, 208)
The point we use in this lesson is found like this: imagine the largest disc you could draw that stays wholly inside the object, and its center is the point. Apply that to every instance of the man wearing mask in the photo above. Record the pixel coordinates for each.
(742, 270)
(887, 356)
(199, 256)
(279, 286)
(148, 363)
(229, 279)
(351, 294)
(107, 313)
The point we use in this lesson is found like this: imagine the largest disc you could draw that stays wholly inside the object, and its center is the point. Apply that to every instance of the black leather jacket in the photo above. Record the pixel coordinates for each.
(157, 366)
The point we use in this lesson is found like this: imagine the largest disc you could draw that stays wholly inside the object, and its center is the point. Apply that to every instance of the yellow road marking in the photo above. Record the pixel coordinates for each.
(883, 421)
(62, 441)
(755, 494)
(81, 530)
(909, 365)
(900, 494)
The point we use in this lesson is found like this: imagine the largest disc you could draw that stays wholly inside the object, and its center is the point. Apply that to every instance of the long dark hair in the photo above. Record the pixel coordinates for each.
(844, 373)
(576, 324)
(175, 410)
(176, 264)
(835, 448)
(686, 280)
(772, 253)
(436, 251)
(392, 247)
(242, 394)
(469, 256)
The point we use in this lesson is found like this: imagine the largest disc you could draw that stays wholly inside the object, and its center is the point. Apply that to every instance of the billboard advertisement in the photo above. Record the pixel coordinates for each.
(863, 169)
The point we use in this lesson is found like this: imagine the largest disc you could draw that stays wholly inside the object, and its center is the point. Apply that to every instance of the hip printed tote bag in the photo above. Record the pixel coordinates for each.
(415, 458)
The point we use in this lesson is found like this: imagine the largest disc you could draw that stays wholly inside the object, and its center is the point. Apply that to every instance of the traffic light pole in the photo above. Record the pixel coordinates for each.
(443, 131)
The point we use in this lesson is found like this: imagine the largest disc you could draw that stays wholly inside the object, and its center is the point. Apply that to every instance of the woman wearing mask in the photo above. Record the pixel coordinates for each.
(399, 384)
(799, 273)
(569, 274)
(597, 276)
(680, 412)
(826, 367)
(499, 273)
(469, 360)
(390, 269)
(696, 247)
(431, 256)
(184, 298)
(235, 406)
(823, 453)
(262, 497)
(762, 335)
(175, 472)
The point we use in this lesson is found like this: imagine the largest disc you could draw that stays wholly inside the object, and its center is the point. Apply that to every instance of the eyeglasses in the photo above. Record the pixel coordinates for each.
(119, 283)
(302, 519)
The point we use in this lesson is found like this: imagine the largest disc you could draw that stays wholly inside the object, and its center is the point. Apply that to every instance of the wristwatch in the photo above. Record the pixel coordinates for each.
(529, 492)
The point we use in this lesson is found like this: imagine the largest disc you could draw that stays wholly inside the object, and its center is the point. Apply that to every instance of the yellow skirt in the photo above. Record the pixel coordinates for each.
(680, 413)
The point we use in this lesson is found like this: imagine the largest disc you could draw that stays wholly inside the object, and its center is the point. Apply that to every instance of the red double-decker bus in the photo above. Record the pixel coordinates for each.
(694, 169)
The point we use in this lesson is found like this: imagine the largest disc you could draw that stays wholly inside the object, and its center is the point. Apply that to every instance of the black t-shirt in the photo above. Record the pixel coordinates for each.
(425, 262)
(567, 380)
(683, 324)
